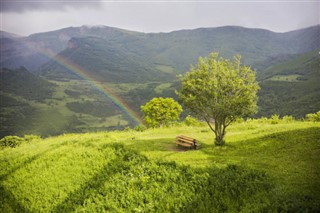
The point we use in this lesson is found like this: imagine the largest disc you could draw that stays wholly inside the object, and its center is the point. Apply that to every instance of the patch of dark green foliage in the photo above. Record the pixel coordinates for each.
(14, 141)
(23, 83)
(94, 108)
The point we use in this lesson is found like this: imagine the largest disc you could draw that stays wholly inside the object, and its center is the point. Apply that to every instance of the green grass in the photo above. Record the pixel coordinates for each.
(263, 167)
(289, 78)
(159, 89)
(165, 68)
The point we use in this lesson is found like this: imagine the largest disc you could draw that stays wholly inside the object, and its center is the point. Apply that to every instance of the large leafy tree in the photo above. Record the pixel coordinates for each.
(161, 111)
(219, 91)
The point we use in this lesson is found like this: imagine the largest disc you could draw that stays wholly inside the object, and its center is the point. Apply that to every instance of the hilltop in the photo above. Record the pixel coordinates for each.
(263, 167)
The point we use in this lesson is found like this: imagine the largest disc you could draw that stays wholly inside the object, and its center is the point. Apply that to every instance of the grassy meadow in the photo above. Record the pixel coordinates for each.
(263, 167)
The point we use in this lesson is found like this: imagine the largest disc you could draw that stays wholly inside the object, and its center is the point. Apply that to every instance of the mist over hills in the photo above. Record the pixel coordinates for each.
(138, 66)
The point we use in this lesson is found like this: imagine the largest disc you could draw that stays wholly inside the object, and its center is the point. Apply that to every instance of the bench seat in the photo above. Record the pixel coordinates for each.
(185, 141)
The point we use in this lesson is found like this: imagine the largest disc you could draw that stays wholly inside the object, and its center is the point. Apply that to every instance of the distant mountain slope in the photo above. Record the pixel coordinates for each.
(36, 49)
(21, 82)
(303, 65)
(4, 34)
(104, 60)
(140, 56)
(174, 51)
(182, 48)
(19, 89)
(292, 87)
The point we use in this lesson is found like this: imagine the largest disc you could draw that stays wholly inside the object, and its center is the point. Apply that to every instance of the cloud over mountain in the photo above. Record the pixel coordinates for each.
(23, 6)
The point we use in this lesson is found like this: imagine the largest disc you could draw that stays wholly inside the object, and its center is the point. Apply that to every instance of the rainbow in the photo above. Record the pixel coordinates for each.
(84, 74)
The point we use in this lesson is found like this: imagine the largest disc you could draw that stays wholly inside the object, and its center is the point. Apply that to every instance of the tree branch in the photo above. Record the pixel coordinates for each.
(208, 122)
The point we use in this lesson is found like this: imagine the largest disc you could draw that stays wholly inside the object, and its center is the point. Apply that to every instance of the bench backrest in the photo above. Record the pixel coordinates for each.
(185, 138)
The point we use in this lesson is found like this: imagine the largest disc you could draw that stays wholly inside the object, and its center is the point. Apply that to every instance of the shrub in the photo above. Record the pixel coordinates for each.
(161, 112)
(11, 141)
(288, 118)
(127, 129)
(29, 138)
(176, 124)
(239, 120)
(275, 119)
(140, 128)
(263, 120)
(315, 117)
(191, 121)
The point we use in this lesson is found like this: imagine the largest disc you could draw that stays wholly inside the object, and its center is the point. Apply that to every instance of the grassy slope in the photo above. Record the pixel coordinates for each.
(76, 171)
(291, 88)
(304, 64)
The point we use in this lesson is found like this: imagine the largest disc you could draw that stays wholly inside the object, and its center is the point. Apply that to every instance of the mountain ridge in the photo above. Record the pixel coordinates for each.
(177, 30)
(169, 44)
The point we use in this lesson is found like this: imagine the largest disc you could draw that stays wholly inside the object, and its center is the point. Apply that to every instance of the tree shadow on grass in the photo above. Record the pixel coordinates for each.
(29, 161)
(7, 198)
(77, 198)
(289, 155)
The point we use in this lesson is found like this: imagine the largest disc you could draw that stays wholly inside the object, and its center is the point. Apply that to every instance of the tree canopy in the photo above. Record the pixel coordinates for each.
(219, 91)
(161, 111)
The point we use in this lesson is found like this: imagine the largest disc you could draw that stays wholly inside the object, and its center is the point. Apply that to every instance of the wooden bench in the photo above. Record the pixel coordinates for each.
(185, 141)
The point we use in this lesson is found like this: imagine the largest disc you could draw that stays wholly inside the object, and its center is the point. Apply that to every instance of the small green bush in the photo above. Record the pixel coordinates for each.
(140, 128)
(191, 121)
(239, 120)
(29, 138)
(11, 141)
(275, 119)
(263, 120)
(176, 124)
(127, 129)
(288, 118)
(315, 117)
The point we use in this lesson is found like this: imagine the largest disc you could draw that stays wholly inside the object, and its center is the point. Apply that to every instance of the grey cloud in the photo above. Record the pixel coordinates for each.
(157, 17)
(19, 6)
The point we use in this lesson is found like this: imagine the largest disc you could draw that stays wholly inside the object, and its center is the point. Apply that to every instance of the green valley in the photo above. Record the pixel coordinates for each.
(59, 93)
(68, 105)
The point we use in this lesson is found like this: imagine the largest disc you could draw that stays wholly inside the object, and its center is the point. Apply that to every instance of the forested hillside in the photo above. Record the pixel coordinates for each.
(291, 87)
(84, 70)
(19, 89)
(177, 49)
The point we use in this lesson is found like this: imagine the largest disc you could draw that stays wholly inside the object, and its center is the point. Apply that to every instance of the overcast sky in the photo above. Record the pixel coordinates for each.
(25, 17)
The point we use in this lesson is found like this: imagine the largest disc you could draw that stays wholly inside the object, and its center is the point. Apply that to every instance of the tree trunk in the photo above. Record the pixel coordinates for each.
(219, 140)
(219, 132)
